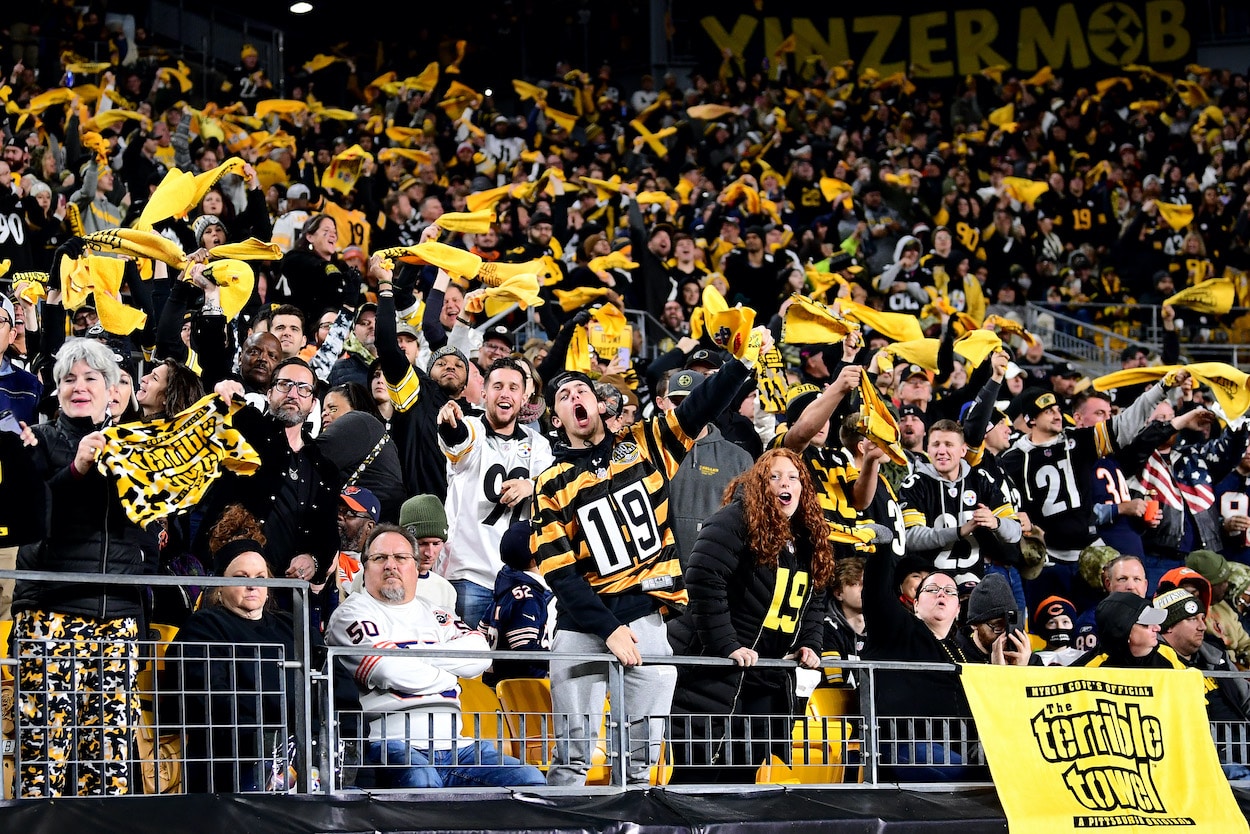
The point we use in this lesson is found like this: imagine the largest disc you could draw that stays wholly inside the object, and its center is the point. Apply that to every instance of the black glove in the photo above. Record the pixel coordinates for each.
(581, 317)
(352, 280)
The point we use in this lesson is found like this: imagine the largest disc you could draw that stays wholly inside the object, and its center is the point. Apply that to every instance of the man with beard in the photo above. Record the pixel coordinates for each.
(492, 462)
(417, 396)
(358, 513)
(295, 491)
(416, 732)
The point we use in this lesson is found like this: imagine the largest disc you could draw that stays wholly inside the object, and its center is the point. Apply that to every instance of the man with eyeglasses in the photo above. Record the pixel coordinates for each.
(926, 634)
(994, 633)
(295, 491)
(417, 736)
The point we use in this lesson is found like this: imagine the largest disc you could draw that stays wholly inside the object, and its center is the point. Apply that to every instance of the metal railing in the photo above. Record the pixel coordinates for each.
(1082, 334)
(850, 744)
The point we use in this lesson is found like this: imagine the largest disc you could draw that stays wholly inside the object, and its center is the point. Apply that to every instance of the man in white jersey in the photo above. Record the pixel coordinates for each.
(492, 462)
(415, 736)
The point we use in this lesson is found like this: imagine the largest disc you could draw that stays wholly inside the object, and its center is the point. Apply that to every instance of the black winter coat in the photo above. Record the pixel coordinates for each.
(731, 606)
(88, 532)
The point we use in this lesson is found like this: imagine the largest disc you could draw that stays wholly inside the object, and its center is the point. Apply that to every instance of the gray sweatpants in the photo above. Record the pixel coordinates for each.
(577, 693)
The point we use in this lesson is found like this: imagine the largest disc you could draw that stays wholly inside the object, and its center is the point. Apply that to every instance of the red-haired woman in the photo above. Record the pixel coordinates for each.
(756, 578)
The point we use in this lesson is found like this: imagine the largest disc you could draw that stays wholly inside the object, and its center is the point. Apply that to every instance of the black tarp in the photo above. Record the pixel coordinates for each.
(750, 811)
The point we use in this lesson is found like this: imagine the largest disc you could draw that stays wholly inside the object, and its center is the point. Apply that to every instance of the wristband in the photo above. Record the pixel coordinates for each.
(211, 311)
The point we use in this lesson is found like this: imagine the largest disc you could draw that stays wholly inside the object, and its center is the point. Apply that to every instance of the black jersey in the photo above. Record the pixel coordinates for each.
(932, 505)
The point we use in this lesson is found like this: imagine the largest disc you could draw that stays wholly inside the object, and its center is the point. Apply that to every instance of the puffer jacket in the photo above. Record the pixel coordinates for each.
(730, 601)
(88, 532)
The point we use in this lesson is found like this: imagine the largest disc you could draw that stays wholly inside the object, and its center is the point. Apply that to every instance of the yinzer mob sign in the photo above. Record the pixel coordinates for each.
(1119, 749)
(961, 39)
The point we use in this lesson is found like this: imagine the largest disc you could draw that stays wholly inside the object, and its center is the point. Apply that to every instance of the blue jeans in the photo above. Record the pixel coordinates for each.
(473, 601)
(943, 765)
(471, 764)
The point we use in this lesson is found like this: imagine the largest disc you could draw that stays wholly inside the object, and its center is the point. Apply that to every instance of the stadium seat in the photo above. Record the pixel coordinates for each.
(480, 710)
(526, 704)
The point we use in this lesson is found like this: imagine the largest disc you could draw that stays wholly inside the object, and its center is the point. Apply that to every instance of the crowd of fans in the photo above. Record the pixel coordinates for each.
(538, 475)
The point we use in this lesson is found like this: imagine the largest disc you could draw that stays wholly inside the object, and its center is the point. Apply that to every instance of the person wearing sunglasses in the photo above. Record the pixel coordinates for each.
(295, 492)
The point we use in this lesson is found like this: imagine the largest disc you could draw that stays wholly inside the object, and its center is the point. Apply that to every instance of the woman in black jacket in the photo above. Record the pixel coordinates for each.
(313, 275)
(756, 580)
(224, 676)
(926, 634)
(78, 669)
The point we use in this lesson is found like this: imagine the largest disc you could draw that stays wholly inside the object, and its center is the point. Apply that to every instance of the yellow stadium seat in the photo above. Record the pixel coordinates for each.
(159, 756)
(832, 701)
(480, 710)
(526, 704)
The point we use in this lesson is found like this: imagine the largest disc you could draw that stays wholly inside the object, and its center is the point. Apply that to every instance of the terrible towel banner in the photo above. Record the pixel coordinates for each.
(1112, 749)
(165, 466)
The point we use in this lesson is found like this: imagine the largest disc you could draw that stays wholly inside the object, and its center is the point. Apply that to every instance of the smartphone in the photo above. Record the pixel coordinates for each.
(622, 357)
(1013, 622)
(9, 423)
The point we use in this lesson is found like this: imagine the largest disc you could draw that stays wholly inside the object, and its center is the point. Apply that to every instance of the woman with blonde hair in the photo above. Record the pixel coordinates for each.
(756, 579)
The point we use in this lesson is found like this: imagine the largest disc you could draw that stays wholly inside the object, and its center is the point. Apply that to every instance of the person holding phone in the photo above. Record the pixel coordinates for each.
(995, 631)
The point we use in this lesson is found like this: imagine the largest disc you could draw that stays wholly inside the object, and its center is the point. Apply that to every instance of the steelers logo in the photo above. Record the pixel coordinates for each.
(1115, 34)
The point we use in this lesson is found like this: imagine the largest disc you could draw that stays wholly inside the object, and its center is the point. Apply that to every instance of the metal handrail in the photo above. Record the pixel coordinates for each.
(319, 683)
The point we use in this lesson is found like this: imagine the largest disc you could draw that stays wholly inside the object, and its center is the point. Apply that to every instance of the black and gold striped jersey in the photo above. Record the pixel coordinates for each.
(601, 521)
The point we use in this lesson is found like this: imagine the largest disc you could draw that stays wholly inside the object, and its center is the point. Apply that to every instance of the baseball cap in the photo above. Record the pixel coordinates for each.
(1066, 369)
(1178, 604)
(1116, 615)
(560, 380)
(499, 333)
(404, 328)
(683, 382)
(362, 500)
(1014, 370)
(703, 356)
(912, 369)
(299, 191)
(1038, 403)
(367, 307)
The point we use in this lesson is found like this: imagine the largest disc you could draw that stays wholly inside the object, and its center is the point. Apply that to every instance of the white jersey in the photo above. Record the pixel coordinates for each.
(476, 470)
(438, 591)
(419, 697)
(287, 227)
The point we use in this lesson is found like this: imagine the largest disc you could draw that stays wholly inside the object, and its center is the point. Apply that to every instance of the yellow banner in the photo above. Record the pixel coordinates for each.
(165, 466)
(1113, 749)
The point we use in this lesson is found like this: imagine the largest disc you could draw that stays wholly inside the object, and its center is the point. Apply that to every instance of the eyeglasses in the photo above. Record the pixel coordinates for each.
(401, 559)
(944, 590)
(284, 386)
(4, 320)
(354, 514)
